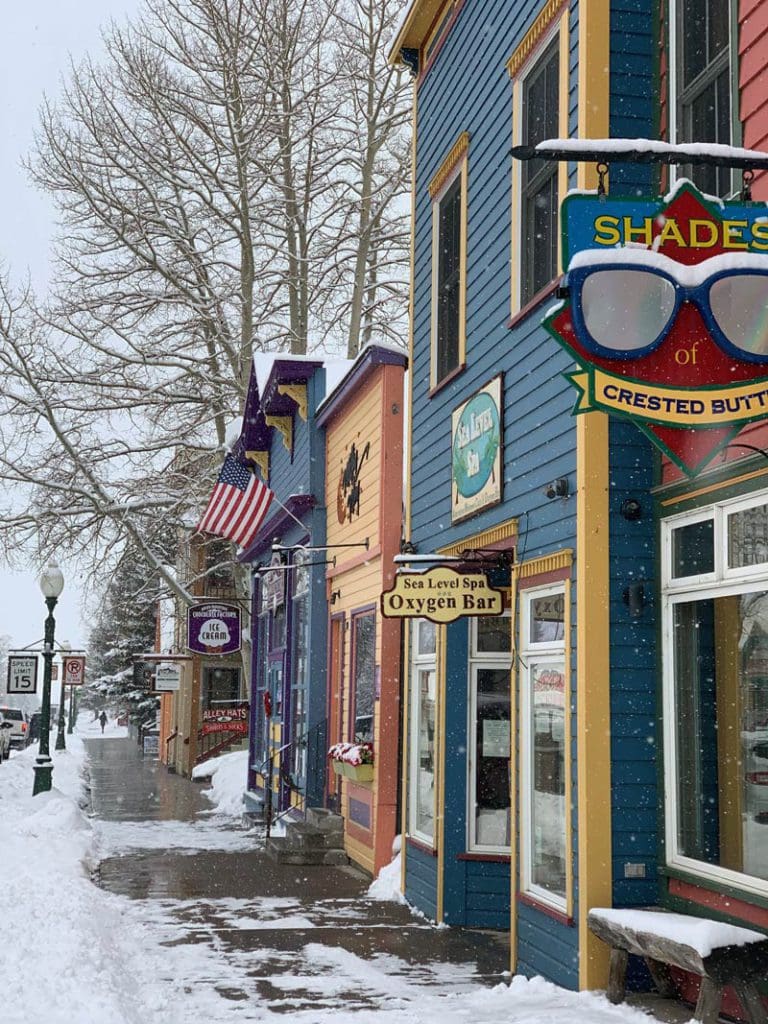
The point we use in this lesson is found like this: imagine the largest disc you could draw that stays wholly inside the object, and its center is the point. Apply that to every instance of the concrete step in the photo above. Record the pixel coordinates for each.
(278, 850)
(300, 835)
(325, 820)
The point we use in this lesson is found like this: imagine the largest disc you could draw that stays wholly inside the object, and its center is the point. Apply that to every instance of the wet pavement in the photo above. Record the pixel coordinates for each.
(277, 933)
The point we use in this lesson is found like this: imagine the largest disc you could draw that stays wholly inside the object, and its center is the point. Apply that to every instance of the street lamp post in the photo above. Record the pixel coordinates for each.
(51, 584)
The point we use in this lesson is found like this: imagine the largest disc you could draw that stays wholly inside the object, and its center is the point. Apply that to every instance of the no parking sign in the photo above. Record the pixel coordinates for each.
(74, 671)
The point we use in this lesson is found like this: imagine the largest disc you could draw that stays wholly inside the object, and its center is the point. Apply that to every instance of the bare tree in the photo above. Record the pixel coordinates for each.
(230, 178)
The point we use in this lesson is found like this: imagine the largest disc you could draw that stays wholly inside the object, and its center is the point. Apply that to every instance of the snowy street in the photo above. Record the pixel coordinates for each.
(189, 918)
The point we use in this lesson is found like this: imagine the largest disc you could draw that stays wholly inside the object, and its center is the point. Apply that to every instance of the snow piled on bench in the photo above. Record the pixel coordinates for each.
(699, 933)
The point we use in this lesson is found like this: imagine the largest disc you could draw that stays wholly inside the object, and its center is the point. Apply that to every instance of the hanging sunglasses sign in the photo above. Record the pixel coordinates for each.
(666, 313)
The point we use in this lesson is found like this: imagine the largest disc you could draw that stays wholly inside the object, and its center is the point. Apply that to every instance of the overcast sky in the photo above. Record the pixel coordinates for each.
(37, 42)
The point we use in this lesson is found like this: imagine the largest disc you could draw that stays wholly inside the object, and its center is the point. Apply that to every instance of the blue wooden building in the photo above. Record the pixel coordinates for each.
(289, 611)
(530, 739)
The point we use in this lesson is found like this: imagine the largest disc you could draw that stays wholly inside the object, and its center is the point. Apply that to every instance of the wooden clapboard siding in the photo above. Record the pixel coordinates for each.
(371, 416)
(753, 82)
(539, 438)
(635, 744)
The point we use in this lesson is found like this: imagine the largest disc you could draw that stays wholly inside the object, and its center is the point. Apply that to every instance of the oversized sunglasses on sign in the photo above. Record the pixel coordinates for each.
(624, 302)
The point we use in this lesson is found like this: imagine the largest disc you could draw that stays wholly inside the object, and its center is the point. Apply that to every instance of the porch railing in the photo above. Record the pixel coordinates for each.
(280, 762)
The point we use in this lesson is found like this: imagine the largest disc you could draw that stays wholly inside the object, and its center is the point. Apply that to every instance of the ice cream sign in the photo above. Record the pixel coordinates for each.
(213, 628)
(665, 312)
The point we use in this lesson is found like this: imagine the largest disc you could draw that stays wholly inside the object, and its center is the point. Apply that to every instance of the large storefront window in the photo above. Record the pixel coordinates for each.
(716, 707)
(423, 718)
(364, 675)
(490, 664)
(543, 754)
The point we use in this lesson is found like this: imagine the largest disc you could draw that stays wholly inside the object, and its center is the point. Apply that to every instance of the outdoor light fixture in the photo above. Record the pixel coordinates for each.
(631, 509)
(407, 547)
(634, 598)
(51, 584)
(557, 489)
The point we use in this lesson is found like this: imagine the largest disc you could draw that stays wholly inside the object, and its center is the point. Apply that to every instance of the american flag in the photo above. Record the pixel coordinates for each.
(238, 504)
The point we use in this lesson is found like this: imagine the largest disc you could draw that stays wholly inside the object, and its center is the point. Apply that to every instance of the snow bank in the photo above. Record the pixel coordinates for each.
(698, 933)
(229, 775)
(387, 884)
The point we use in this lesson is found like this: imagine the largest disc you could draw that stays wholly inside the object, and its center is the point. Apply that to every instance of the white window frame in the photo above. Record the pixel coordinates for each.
(532, 655)
(419, 662)
(478, 660)
(674, 58)
(723, 582)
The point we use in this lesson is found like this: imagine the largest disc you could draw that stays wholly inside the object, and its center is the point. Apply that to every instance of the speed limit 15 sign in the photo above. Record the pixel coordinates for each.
(22, 673)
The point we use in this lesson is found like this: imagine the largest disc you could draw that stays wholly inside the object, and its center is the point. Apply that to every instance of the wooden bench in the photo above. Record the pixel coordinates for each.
(721, 954)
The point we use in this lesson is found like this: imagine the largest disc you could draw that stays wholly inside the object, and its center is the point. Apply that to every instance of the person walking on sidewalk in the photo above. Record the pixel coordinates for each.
(103, 719)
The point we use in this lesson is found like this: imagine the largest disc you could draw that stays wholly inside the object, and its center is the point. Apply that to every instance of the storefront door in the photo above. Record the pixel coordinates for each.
(334, 707)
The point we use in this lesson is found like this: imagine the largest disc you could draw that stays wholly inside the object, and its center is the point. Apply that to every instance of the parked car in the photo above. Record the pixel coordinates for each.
(19, 723)
(5, 738)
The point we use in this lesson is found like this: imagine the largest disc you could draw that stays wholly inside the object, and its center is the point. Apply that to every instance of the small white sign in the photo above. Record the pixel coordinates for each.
(214, 633)
(167, 677)
(74, 671)
(22, 673)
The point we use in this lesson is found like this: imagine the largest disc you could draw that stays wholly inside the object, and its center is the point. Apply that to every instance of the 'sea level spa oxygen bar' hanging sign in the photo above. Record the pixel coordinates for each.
(441, 595)
(666, 313)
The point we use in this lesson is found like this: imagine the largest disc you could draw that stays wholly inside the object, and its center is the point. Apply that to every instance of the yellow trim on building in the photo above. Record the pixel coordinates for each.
(284, 425)
(494, 535)
(568, 625)
(711, 488)
(298, 392)
(439, 838)
(456, 163)
(262, 461)
(540, 35)
(514, 754)
(562, 559)
(592, 553)
(416, 26)
(535, 32)
(458, 152)
(409, 384)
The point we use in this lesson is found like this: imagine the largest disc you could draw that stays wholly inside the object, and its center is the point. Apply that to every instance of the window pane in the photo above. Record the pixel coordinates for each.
(492, 747)
(748, 537)
(449, 280)
(721, 685)
(548, 777)
(693, 549)
(364, 676)
(300, 671)
(547, 619)
(426, 633)
(422, 787)
(539, 178)
(494, 634)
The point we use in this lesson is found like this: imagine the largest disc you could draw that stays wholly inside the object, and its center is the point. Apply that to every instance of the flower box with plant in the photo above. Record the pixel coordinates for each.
(353, 760)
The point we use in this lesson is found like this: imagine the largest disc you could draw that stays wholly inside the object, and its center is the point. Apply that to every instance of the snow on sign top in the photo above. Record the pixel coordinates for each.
(699, 933)
(655, 146)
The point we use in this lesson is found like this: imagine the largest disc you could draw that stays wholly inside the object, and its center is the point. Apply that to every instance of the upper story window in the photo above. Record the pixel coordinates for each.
(701, 79)
(448, 191)
(539, 193)
(539, 113)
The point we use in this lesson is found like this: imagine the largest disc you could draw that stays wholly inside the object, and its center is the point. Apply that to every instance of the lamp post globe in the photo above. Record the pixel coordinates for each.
(51, 584)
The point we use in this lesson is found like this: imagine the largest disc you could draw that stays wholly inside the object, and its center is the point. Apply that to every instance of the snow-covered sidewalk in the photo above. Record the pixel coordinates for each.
(76, 954)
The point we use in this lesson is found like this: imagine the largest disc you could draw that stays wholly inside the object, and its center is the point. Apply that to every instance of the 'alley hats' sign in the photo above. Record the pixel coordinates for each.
(230, 720)
(666, 315)
(213, 628)
(441, 595)
(476, 452)
(22, 673)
